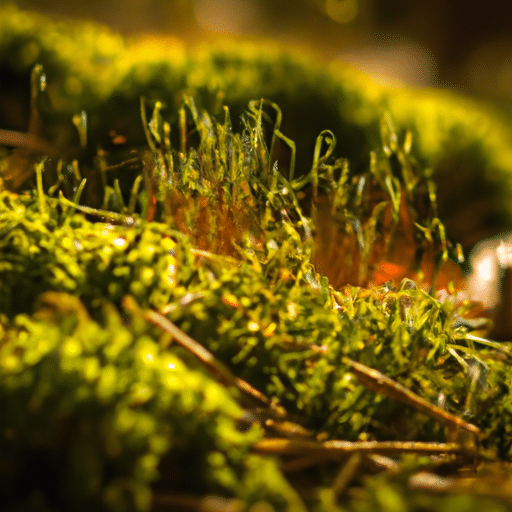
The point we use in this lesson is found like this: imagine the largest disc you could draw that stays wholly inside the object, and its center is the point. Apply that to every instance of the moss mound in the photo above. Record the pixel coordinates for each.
(465, 144)
(198, 314)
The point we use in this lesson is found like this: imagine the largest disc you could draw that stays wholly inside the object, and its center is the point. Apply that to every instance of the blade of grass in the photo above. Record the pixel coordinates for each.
(213, 365)
(335, 448)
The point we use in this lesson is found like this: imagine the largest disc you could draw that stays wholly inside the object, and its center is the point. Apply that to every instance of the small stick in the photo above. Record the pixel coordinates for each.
(205, 356)
(380, 383)
(336, 448)
(346, 474)
(288, 428)
(113, 217)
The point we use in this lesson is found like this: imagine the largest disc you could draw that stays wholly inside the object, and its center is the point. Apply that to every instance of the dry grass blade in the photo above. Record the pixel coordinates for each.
(213, 365)
(380, 383)
(347, 473)
(336, 448)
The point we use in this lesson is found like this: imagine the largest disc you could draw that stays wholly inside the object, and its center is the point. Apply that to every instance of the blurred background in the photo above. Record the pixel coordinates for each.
(449, 44)
(453, 44)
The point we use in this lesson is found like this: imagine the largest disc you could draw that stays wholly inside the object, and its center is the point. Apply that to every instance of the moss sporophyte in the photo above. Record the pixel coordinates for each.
(203, 319)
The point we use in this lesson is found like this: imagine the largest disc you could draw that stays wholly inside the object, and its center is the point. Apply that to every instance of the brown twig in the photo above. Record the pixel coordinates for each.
(337, 448)
(307, 461)
(380, 383)
(347, 473)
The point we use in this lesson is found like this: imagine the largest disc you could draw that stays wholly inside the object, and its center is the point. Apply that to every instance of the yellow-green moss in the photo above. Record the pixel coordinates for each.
(249, 234)
(450, 131)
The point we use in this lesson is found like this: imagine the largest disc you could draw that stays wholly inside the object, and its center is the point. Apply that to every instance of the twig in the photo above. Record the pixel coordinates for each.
(307, 461)
(206, 357)
(336, 448)
(346, 474)
(118, 218)
(288, 429)
(380, 383)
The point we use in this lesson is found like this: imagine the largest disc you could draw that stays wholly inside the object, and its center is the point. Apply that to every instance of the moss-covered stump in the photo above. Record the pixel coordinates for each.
(206, 306)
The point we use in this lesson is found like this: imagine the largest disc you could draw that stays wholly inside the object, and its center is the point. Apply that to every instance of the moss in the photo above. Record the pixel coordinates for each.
(108, 403)
(285, 269)
(450, 131)
(75, 360)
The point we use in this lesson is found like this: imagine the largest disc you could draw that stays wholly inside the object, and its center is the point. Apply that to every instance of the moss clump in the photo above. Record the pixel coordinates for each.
(285, 273)
(92, 260)
(450, 131)
(90, 409)
(122, 412)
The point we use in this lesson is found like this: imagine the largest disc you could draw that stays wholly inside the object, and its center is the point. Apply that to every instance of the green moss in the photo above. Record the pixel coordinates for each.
(269, 257)
(108, 403)
(75, 359)
(450, 131)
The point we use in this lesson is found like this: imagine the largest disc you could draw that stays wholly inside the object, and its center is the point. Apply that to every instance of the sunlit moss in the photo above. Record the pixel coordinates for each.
(449, 131)
(253, 236)
(132, 435)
